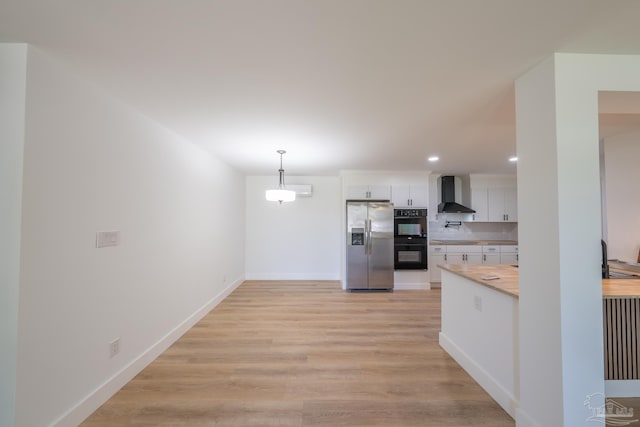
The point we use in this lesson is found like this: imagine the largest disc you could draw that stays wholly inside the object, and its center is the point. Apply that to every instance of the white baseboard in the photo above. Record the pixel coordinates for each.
(524, 420)
(501, 395)
(622, 388)
(99, 396)
(291, 276)
(410, 286)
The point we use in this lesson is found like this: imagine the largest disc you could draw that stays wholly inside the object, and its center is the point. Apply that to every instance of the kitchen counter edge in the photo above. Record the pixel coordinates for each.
(475, 242)
(508, 280)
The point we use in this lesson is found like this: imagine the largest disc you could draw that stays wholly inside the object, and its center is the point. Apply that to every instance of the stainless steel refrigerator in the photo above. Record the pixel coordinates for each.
(369, 245)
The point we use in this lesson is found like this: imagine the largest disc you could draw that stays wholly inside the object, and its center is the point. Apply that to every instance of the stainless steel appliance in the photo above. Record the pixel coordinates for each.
(369, 245)
(449, 204)
(410, 239)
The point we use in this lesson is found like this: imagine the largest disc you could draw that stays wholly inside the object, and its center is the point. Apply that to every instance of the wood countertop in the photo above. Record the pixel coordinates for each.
(473, 242)
(506, 283)
(620, 288)
(508, 280)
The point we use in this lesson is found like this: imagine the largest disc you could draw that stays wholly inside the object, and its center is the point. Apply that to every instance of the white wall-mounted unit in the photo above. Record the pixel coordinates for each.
(302, 190)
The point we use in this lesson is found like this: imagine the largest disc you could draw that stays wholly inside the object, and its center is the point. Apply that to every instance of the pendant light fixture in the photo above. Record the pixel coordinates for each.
(281, 194)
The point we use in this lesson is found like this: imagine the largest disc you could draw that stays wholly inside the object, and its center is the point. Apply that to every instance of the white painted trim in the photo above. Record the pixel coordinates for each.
(501, 395)
(622, 388)
(99, 396)
(524, 420)
(292, 276)
(411, 286)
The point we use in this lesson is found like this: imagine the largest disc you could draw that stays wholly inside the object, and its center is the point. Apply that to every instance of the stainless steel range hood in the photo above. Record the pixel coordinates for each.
(449, 204)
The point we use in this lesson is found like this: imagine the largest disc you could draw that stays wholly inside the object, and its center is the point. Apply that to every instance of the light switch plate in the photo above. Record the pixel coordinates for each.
(107, 238)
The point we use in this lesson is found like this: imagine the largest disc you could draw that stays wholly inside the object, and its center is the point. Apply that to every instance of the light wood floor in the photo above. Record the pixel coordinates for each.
(307, 354)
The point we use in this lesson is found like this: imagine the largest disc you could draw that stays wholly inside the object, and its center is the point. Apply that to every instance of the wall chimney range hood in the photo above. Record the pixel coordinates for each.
(449, 204)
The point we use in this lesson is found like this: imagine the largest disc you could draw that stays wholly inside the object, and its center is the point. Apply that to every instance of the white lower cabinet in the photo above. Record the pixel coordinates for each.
(509, 255)
(464, 254)
(491, 254)
(469, 254)
(490, 259)
(434, 261)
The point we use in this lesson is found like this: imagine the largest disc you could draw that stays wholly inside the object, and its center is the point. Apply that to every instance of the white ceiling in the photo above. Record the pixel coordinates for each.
(340, 84)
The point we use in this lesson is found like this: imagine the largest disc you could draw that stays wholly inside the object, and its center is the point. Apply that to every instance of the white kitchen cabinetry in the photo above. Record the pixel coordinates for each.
(414, 196)
(469, 254)
(479, 204)
(491, 254)
(509, 255)
(464, 254)
(502, 204)
(374, 192)
(437, 256)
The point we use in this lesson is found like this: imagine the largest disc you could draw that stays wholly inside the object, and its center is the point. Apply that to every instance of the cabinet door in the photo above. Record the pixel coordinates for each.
(400, 196)
(434, 271)
(491, 258)
(473, 259)
(380, 192)
(357, 191)
(511, 204)
(457, 258)
(491, 255)
(479, 204)
(510, 258)
(495, 204)
(419, 196)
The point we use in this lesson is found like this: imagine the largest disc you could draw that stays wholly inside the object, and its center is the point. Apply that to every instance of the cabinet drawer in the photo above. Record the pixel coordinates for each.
(464, 249)
(493, 249)
(509, 249)
(438, 249)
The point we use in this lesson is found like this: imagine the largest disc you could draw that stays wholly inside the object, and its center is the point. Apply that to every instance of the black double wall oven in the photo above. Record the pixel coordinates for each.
(410, 239)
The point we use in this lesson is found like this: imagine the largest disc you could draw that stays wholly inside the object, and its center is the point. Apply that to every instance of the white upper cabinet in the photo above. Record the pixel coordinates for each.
(375, 192)
(494, 198)
(502, 203)
(414, 196)
(511, 204)
(479, 204)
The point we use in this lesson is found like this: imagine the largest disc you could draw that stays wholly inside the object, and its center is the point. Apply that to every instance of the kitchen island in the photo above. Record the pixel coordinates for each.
(480, 329)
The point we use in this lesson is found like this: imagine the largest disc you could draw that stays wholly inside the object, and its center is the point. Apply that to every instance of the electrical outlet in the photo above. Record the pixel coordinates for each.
(107, 238)
(114, 347)
(477, 303)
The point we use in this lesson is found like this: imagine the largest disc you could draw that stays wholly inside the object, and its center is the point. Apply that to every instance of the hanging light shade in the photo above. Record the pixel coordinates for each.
(281, 194)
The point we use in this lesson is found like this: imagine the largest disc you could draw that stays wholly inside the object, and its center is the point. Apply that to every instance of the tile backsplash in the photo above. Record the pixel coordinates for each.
(472, 230)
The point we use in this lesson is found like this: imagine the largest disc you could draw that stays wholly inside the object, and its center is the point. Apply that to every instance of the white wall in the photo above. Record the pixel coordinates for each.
(13, 64)
(300, 240)
(621, 155)
(91, 163)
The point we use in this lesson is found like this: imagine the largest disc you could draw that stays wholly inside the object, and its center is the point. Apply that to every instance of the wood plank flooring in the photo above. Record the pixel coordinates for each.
(307, 354)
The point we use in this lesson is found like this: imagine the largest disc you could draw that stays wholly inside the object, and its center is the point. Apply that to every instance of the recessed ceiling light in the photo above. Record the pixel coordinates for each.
(513, 159)
(433, 158)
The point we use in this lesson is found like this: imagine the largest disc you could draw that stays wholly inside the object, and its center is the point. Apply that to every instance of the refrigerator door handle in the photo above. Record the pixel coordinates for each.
(369, 243)
(366, 237)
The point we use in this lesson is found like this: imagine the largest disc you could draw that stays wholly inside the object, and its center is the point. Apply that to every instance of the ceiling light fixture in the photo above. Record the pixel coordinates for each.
(433, 158)
(513, 159)
(281, 194)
